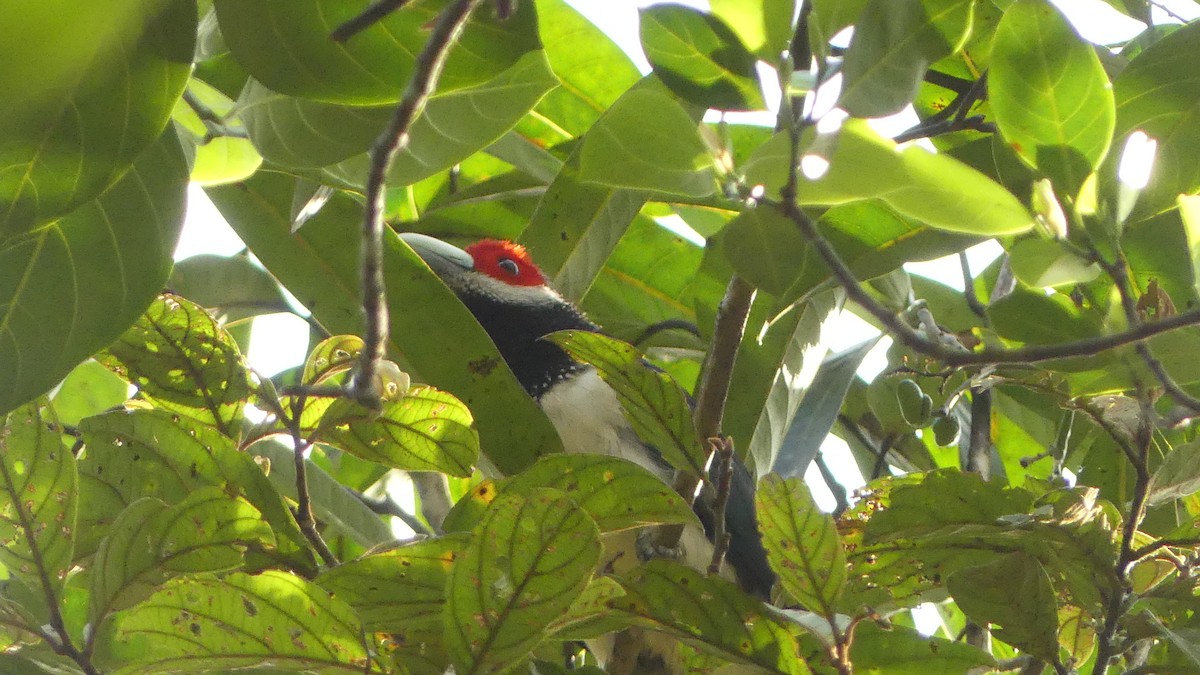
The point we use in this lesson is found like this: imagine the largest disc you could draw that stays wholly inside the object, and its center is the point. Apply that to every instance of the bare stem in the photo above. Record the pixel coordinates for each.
(364, 386)
(723, 449)
(373, 14)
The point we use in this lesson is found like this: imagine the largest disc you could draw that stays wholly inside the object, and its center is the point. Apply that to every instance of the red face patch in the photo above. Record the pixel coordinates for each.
(505, 261)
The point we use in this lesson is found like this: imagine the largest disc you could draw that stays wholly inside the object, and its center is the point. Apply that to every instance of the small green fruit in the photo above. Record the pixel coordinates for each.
(946, 430)
(915, 405)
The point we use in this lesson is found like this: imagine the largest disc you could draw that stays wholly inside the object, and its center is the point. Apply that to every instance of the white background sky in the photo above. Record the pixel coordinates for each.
(279, 341)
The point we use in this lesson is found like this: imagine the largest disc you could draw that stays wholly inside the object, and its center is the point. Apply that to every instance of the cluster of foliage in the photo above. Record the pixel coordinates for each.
(210, 522)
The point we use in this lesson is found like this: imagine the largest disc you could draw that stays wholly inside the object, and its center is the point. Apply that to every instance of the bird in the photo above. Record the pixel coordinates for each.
(512, 300)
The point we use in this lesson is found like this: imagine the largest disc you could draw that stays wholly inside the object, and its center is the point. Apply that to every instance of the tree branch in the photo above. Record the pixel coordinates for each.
(374, 13)
(386, 506)
(364, 386)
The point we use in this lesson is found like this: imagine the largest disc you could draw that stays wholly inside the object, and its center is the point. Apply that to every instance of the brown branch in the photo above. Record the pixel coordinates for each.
(364, 387)
(374, 13)
(304, 514)
(713, 389)
(723, 449)
(840, 496)
(910, 338)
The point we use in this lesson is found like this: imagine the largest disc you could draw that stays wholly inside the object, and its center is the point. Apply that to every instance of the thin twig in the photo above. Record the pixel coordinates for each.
(661, 326)
(722, 448)
(364, 386)
(374, 13)
(969, 288)
(910, 338)
(304, 514)
(386, 506)
(840, 496)
(954, 116)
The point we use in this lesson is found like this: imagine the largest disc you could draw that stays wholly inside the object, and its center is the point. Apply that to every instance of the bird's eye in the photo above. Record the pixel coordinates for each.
(509, 266)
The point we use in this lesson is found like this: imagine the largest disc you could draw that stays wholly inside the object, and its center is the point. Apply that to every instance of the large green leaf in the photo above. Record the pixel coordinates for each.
(151, 542)
(529, 559)
(764, 26)
(898, 650)
(1014, 592)
(178, 356)
(71, 288)
(154, 453)
(593, 70)
(441, 343)
(233, 287)
(300, 59)
(710, 613)
(422, 430)
(894, 43)
(1050, 95)
(617, 494)
(38, 493)
(1159, 93)
(647, 141)
(802, 544)
(220, 152)
(699, 58)
(399, 590)
(273, 619)
(301, 133)
(935, 189)
(655, 405)
(86, 89)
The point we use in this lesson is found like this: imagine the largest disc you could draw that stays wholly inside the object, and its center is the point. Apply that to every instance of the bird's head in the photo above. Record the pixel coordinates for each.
(508, 294)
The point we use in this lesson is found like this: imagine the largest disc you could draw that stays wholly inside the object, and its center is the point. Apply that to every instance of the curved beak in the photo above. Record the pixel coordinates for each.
(444, 259)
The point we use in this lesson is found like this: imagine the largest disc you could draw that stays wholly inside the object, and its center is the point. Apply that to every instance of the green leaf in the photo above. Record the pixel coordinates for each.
(617, 494)
(1032, 316)
(819, 409)
(894, 43)
(301, 133)
(319, 268)
(221, 154)
(73, 287)
(88, 88)
(399, 590)
(332, 503)
(765, 248)
(656, 407)
(151, 542)
(898, 650)
(233, 286)
(178, 356)
(1049, 93)
(764, 26)
(1159, 93)
(802, 543)
(89, 390)
(647, 141)
(699, 58)
(1014, 592)
(272, 619)
(829, 17)
(371, 67)
(710, 613)
(38, 492)
(935, 189)
(153, 453)
(1042, 263)
(1177, 477)
(575, 47)
(529, 559)
(425, 430)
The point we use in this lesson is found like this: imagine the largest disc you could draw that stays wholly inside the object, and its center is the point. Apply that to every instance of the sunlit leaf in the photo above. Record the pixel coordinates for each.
(98, 267)
(654, 404)
(802, 543)
(38, 492)
(424, 430)
(221, 151)
(528, 560)
(699, 58)
(371, 67)
(177, 355)
(151, 542)
(153, 453)
(241, 621)
(1050, 95)
(764, 26)
(398, 590)
(616, 493)
(87, 89)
